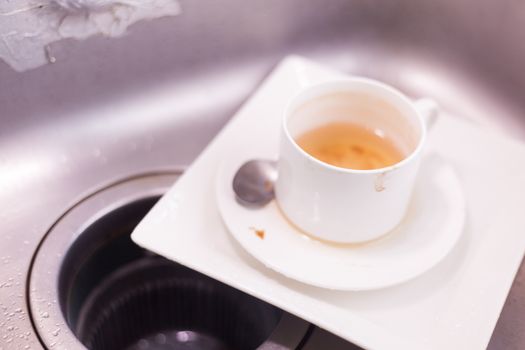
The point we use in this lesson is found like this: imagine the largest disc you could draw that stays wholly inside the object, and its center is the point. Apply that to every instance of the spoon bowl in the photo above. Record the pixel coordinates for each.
(253, 183)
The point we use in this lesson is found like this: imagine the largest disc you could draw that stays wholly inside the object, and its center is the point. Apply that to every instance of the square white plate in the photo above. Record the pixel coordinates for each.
(455, 305)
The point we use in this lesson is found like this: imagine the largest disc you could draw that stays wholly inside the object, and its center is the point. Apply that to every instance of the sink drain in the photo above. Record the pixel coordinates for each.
(92, 287)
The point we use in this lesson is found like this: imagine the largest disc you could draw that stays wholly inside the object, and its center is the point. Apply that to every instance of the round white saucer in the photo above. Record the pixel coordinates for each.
(433, 224)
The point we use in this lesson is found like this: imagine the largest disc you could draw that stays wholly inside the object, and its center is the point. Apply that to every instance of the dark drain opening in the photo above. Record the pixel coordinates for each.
(115, 295)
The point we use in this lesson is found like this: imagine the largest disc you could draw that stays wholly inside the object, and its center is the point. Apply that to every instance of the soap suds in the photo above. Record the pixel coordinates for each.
(28, 27)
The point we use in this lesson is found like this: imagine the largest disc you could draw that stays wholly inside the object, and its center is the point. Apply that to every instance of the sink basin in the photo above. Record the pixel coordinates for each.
(73, 127)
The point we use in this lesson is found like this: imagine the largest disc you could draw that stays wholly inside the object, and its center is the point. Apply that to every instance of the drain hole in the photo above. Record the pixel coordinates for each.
(115, 295)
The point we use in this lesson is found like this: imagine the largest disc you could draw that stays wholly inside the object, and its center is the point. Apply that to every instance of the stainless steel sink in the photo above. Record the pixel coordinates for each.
(73, 127)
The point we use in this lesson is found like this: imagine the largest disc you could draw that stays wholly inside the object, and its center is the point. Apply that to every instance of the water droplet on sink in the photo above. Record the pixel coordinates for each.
(45, 315)
(56, 332)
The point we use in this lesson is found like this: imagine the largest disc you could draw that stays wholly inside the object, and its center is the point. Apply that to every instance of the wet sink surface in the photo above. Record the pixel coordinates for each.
(75, 126)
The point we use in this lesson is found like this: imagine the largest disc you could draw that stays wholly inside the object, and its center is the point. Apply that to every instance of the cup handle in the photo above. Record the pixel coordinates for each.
(429, 110)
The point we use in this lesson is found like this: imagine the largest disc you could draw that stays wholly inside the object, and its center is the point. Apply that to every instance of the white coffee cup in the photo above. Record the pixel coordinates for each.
(340, 204)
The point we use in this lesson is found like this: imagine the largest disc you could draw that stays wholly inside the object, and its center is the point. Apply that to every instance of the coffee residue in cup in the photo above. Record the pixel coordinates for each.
(350, 146)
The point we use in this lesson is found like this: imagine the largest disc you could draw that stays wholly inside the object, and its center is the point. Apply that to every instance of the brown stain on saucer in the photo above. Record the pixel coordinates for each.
(258, 232)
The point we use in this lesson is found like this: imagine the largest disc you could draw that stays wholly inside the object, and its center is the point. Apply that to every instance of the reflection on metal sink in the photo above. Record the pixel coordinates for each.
(64, 132)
